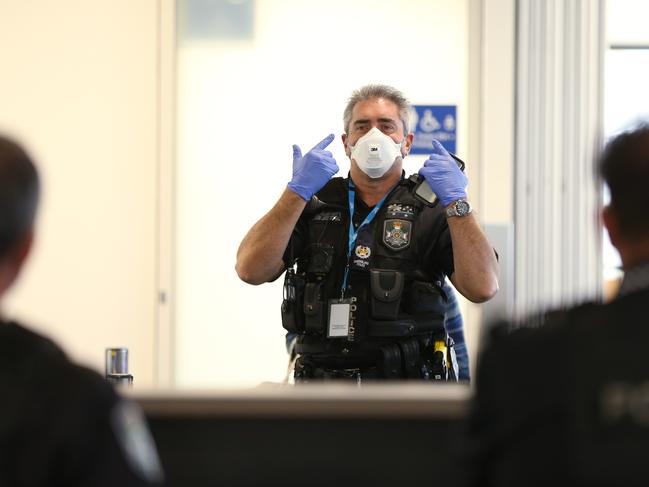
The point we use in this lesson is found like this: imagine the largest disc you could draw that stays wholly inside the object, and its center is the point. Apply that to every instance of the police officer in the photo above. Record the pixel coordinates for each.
(567, 403)
(366, 295)
(60, 424)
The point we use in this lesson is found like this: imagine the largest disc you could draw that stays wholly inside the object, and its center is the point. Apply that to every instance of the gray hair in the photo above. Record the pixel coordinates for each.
(369, 92)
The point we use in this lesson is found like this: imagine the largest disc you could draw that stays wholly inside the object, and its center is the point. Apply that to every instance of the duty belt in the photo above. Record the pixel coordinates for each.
(344, 351)
(427, 358)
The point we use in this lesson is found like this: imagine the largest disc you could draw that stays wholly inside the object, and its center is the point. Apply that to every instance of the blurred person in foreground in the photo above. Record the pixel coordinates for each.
(567, 403)
(60, 424)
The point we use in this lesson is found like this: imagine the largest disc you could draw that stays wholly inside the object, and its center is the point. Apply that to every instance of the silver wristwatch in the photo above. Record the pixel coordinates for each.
(458, 208)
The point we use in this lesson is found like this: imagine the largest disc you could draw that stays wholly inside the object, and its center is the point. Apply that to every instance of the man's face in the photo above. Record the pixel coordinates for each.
(380, 113)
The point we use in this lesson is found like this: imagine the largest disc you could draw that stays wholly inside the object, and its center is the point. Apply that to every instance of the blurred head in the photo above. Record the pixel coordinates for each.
(624, 167)
(19, 194)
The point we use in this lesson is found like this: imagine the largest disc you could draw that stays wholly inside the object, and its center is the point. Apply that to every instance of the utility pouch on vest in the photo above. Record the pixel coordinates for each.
(411, 358)
(313, 308)
(425, 299)
(321, 258)
(386, 287)
(292, 313)
(391, 361)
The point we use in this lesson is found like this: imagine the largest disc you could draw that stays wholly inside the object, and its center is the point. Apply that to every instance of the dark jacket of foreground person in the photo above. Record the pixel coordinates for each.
(567, 403)
(62, 424)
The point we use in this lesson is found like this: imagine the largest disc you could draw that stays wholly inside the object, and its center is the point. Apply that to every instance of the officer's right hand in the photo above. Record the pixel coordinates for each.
(312, 170)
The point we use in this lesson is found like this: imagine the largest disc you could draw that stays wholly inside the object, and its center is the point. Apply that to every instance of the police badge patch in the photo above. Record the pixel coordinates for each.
(363, 252)
(396, 234)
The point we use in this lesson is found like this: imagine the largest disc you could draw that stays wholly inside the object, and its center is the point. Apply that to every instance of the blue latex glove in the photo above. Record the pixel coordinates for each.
(444, 176)
(312, 171)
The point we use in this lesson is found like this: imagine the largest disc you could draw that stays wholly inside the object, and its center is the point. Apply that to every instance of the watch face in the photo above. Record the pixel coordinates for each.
(462, 208)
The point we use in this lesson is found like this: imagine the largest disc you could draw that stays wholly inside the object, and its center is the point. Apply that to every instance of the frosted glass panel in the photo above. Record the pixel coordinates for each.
(626, 98)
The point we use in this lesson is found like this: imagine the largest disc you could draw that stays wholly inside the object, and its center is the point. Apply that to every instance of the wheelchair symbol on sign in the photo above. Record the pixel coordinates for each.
(449, 123)
(428, 122)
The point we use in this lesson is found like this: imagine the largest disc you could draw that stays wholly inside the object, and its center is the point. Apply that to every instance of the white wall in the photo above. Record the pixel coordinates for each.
(492, 40)
(78, 86)
(497, 111)
(241, 105)
(626, 22)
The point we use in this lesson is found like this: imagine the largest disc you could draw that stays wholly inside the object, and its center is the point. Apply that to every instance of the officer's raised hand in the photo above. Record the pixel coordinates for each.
(312, 170)
(444, 176)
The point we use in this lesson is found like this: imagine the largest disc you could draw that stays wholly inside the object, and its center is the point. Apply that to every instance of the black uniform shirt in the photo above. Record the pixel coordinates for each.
(62, 424)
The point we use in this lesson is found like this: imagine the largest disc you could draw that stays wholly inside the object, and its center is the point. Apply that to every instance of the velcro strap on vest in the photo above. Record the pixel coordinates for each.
(323, 346)
(403, 328)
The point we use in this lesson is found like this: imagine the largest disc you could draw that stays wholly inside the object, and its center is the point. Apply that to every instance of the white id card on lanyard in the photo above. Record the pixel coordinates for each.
(339, 311)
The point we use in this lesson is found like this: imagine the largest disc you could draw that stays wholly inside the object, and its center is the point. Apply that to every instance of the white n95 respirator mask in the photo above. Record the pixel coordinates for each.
(375, 153)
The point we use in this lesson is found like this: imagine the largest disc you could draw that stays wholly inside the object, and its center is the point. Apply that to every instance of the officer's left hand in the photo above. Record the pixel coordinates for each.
(444, 176)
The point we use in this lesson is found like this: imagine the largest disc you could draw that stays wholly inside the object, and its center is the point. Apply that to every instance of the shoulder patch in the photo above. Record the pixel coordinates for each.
(397, 234)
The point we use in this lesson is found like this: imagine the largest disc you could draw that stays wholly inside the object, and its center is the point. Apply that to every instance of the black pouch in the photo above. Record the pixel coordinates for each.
(386, 287)
(391, 361)
(425, 299)
(314, 311)
(292, 312)
(321, 258)
(411, 358)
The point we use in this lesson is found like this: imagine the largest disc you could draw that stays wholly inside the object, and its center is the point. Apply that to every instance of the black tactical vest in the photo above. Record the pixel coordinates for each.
(394, 296)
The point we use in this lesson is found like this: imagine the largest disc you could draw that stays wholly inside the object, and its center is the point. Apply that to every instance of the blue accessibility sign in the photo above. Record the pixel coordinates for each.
(433, 122)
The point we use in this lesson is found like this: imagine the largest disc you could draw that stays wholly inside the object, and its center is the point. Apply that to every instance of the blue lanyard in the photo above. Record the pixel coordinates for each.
(353, 233)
